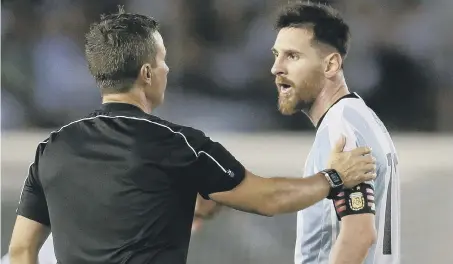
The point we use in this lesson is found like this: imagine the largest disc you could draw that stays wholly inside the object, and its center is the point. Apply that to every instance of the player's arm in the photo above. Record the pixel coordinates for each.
(356, 209)
(32, 225)
(226, 181)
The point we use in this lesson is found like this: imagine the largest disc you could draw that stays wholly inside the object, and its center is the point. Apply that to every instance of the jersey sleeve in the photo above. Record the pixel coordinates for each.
(216, 169)
(329, 134)
(32, 203)
(357, 200)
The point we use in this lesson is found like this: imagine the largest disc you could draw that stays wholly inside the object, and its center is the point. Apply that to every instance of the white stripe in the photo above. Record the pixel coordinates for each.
(218, 164)
(333, 218)
(126, 117)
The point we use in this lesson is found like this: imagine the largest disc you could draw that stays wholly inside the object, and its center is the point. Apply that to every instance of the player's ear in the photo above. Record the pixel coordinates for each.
(146, 73)
(333, 63)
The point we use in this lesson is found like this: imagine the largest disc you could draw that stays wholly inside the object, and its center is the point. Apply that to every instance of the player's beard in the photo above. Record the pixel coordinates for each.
(302, 97)
(287, 103)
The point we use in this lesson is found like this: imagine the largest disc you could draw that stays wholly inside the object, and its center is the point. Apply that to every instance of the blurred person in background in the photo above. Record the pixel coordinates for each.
(120, 185)
(310, 48)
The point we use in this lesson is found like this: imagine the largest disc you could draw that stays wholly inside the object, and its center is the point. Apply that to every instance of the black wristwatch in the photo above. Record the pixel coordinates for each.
(335, 181)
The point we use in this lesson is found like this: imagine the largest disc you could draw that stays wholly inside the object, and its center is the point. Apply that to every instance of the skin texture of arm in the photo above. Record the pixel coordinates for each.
(357, 235)
(279, 195)
(26, 241)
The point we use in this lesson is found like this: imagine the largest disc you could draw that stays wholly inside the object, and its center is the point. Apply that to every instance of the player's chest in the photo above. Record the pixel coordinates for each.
(310, 167)
(318, 154)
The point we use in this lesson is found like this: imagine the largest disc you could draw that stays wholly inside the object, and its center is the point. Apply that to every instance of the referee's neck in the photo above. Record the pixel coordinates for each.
(329, 95)
(133, 98)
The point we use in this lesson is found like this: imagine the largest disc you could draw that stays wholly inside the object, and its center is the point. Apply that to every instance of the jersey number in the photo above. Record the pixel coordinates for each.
(387, 239)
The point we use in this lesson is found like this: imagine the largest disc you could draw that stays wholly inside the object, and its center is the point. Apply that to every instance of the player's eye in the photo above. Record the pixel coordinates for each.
(293, 56)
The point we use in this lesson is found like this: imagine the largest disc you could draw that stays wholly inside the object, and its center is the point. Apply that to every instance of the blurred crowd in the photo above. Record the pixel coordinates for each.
(219, 58)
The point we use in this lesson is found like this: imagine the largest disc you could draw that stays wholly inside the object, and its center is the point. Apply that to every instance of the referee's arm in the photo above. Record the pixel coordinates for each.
(32, 225)
(223, 179)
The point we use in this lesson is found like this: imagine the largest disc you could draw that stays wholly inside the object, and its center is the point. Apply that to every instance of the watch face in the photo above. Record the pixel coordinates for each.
(335, 178)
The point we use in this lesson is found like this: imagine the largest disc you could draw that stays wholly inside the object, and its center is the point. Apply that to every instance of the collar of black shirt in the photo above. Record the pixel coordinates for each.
(109, 107)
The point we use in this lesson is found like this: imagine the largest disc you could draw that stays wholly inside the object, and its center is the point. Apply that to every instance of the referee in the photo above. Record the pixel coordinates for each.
(120, 185)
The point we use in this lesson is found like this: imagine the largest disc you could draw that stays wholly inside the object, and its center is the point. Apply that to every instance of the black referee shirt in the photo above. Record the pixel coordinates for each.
(119, 186)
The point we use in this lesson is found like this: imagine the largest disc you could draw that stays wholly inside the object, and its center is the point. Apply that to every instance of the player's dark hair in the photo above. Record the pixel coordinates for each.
(117, 46)
(327, 24)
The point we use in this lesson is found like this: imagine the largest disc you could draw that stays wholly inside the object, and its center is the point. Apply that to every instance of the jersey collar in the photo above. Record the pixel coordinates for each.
(350, 95)
(109, 107)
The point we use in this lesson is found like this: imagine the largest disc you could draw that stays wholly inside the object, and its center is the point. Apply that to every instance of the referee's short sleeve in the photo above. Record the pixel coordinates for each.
(216, 169)
(32, 203)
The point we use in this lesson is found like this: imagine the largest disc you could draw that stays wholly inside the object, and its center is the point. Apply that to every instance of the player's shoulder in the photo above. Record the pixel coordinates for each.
(344, 118)
(349, 110)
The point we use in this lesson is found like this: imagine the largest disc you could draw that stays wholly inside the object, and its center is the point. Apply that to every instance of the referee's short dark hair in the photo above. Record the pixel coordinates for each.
(117, 46)
(328, 26)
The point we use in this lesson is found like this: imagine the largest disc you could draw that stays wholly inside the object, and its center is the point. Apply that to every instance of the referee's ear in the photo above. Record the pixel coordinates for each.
(332, 64)
(146, 73)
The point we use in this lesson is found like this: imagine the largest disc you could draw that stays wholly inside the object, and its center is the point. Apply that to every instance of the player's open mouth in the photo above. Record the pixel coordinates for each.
(284, 88)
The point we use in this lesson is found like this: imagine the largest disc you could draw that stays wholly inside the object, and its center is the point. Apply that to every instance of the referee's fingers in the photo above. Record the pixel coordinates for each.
(361, 151)
(370, 176)
(368, 159)
(370, 168)
(339, 145)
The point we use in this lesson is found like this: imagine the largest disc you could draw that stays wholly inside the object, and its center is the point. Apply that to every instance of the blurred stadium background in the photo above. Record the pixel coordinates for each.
(219, 57)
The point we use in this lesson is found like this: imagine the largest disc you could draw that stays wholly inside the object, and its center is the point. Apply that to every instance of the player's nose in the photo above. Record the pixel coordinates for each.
(167, 69)
(278, 68)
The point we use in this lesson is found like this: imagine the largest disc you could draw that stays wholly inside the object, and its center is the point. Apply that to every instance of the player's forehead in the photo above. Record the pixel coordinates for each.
(159, 40)
(160, 46)
(293, 38)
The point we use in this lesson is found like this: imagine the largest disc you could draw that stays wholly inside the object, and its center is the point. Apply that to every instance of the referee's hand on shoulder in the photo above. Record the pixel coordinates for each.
(355, 166)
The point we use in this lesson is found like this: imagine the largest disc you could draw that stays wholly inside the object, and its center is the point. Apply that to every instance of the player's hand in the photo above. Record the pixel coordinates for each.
(355, 166)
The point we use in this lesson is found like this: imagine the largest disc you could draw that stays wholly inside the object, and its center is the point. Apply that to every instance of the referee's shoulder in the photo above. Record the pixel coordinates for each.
(146, 123)
(146, 128)
(175, 136)
(189, 133)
